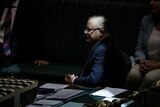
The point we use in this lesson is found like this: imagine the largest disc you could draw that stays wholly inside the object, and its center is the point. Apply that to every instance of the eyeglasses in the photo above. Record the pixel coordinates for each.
(87, 30)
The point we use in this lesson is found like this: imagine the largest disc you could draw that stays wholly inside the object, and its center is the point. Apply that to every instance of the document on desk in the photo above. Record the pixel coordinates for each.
(72, 104)
(46, 103)
(108, 92)
(54, 86)
(67, 94)
(48, 89)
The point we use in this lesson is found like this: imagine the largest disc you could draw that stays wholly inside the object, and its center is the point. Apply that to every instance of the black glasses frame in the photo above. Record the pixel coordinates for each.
(89, 30)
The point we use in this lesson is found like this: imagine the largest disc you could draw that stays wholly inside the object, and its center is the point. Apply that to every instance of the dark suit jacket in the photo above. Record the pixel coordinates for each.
(99, 64)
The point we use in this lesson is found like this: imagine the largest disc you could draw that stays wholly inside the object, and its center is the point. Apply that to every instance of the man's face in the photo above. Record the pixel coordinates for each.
(92, 33)
(155, 5)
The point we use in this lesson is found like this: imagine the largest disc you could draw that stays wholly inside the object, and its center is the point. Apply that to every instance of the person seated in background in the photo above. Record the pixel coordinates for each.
(100, 60)
(147, 53)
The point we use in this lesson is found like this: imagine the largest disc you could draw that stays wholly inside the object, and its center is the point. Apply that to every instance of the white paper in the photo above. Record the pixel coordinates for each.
(108, 92)
(54, 86)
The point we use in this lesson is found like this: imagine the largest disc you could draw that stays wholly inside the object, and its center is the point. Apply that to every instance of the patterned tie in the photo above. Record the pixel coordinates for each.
(7, 31)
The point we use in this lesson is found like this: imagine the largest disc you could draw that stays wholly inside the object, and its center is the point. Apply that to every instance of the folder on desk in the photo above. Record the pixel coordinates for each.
(45, 91)
(72, 104)
(48, 89)
(46, 103)
(67, 94)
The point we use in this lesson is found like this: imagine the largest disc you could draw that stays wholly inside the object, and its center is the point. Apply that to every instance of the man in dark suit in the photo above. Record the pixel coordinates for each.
(101, 59)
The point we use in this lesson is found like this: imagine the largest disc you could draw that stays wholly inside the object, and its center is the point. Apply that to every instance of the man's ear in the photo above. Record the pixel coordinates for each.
(101, 31)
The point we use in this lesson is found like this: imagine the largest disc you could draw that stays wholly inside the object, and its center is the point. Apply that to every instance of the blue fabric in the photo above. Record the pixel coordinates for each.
(97, 65)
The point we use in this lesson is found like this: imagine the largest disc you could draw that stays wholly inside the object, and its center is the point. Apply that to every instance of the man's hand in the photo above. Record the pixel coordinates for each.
(70, 78)
(41, 62)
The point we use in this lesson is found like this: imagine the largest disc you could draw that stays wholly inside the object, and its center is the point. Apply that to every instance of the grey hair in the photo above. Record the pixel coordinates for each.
(101, 21)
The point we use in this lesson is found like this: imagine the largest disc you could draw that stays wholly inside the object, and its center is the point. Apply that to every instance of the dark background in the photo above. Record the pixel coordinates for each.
(53, 29)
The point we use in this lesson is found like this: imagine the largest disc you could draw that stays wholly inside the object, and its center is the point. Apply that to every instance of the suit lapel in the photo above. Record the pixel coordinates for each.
(91, 54)
(89, 58)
